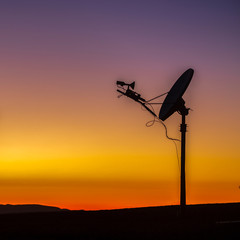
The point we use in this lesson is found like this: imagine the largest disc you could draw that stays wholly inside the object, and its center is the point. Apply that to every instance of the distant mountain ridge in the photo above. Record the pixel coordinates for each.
(28, 208)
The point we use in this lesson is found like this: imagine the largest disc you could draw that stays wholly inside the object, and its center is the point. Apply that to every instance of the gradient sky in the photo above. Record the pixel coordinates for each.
(67, 140)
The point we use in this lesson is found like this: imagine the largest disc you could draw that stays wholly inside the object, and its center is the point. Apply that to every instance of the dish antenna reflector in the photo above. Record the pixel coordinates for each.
(172, 103)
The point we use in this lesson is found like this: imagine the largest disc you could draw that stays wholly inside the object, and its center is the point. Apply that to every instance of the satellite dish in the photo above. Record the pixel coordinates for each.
(173, 101)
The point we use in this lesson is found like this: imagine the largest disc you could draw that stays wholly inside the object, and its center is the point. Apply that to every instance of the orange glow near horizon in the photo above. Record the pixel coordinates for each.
(111, 194)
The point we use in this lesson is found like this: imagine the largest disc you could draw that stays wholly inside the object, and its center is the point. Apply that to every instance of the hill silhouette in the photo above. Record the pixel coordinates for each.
(207, 221)
(27, 208)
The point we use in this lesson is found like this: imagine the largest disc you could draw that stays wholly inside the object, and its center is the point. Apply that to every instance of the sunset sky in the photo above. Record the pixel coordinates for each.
(67, 140)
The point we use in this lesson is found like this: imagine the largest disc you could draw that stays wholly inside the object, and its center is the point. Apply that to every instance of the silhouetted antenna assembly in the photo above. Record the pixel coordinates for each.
(133, 95)
(172, 103)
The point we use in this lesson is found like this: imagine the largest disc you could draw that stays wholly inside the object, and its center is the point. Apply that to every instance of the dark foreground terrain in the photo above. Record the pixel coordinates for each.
(27, 208)
(211, 221)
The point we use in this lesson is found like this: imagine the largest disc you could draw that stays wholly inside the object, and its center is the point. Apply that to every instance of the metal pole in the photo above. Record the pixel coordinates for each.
(183, 180)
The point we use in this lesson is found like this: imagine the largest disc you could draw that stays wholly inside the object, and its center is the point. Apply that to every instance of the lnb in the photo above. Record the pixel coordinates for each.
(121, 83)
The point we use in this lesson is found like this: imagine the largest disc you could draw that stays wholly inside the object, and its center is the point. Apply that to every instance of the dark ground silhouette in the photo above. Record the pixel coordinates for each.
(209, 221)
(27, 208)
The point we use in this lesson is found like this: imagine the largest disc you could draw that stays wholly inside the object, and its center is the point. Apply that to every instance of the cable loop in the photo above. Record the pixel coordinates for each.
(152, 122)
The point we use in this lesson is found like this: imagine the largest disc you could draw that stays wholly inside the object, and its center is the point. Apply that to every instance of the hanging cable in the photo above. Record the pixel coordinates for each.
(174, 140)
(152, 122)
